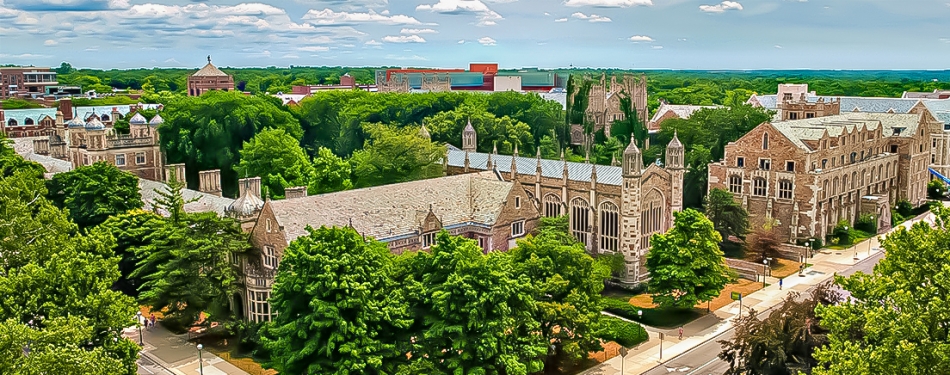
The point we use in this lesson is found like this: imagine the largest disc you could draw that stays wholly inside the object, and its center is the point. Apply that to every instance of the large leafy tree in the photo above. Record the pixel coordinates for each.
(685, 263)
(896, 320)
(330, 173)
(728, 216)
(52, 277)
(207, 132)
(10, 162)
(503, 132)
(783, 342)
(277, 158)
(338, 310)
(93, 193)
(131, 230)
(568, 283)
(396, 155)
(473, 313)
(186, 262)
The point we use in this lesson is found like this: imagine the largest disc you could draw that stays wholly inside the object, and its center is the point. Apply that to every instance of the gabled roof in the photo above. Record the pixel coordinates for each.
(814, 128)
(388, 211)
(138, 119)
(209, 70)
(609, 175)
(681, 111)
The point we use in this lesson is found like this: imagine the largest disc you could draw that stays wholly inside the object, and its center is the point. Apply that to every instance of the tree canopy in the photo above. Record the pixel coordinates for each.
(685, 263)
(394, 155)
(277, 158)
(93, 193)
(728, 216)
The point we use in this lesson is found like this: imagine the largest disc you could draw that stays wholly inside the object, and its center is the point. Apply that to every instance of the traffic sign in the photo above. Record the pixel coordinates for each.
(623, 351)
(736, 296)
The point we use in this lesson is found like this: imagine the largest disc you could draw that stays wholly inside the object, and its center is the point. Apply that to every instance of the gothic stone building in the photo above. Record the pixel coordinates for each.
(609, 208)
(809, 174)
(603, 103)
(406, 216)
(209, 78)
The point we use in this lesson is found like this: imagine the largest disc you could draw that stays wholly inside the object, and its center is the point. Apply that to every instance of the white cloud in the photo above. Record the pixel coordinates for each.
(328, 17)
(403, 39)
(417, 31)
(404, 58)
(22, 56)
(547, 14)
(290, 56)
(314, 49)
(373, 43)
(607, 3)
(721, 7)
(67, 5)
(681, 39)
(561, 19)
(486, 41)
(640, 38)
(462, 41)
(590, 18)
(50, 42)
(778, 46)
(486, 16)
(657, 47)
(945, 40)
(172, 60)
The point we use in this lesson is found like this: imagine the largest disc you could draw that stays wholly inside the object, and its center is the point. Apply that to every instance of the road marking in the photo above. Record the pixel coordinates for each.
(703, 365)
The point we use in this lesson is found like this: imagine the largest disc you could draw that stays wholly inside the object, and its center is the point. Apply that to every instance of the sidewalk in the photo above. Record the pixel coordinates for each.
(824, 266)
(166, 353)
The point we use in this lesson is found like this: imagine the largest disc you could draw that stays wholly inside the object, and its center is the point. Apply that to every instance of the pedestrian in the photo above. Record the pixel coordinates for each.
(780, 284)
(152, 319)
(681, 333)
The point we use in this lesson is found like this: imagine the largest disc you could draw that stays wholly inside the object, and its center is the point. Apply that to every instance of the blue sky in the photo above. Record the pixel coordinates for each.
(675, 34)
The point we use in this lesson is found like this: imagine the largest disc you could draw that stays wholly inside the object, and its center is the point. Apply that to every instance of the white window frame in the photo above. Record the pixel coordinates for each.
(120, 157)
(269, 255)
(428, 239)
(765, 164)
(517, 202)
(142, 155)
(517, 229)
(757, 189)
(784, 193)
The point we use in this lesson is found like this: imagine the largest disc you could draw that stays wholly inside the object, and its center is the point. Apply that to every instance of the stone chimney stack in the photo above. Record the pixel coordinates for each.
(253, 185)
(66, 107)
(295, 192)
(210, 182)
(176, 171)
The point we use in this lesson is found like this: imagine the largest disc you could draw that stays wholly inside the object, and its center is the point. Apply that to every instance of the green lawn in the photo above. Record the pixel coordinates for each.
(654, 317)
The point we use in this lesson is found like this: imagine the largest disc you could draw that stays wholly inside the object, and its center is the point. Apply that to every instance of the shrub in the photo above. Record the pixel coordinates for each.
(625, 333)
(843, 233)
(620, 307)
(936, 189)
(867, 223)
(904, 208)
(896, 218)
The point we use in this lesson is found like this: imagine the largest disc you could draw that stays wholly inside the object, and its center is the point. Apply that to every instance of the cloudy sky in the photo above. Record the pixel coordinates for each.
(677, 34)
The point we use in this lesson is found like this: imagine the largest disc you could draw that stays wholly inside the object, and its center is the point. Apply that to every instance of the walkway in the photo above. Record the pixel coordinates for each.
(655, 352)
(166, 353)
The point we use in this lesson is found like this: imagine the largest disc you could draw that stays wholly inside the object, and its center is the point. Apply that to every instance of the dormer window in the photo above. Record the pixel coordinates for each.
(428, 240)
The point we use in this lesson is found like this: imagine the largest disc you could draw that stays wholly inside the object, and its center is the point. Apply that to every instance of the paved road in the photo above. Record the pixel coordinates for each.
(704, 360)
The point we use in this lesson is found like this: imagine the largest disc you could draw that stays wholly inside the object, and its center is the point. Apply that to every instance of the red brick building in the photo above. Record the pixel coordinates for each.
(209, 78)
(25, 82)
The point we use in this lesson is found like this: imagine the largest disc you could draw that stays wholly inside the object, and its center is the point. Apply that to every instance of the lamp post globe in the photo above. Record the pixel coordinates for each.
(639, 314)
(201, 367)
(138, 322)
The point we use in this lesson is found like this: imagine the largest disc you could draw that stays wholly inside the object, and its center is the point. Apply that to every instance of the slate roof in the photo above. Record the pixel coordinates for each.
(872, 105)
(389, 211)
(20, 115)
(606, 174)
(203, 202)
(209, 70)
(812, 129)
(683, 111)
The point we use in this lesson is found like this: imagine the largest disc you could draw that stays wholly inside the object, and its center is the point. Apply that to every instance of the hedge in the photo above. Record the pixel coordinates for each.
(625, 333)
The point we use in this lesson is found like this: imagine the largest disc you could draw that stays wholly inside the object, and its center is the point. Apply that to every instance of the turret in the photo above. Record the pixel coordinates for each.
(674, 163)
(469, 138)
(632, 159)
(424, 133)
(674, 153)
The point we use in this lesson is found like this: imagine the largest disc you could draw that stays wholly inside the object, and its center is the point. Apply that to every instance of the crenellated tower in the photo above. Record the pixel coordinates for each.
(630, 229)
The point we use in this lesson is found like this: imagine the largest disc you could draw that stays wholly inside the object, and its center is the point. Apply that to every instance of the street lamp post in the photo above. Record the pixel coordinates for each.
(201, 367)
(640, 315)
(811, 247)
(765, 270)
(138, 322)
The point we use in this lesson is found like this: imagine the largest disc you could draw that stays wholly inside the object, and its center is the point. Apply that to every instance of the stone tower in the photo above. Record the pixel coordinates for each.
(469, 138)
(248, 206)
(630, 228)
(674, 163)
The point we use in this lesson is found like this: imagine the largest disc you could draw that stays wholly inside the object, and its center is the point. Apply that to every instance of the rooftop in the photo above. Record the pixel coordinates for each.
(389, 211)
(606, 174)
(814, 128)
(209, 70)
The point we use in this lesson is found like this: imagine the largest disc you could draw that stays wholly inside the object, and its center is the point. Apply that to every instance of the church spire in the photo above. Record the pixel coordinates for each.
(632, 159)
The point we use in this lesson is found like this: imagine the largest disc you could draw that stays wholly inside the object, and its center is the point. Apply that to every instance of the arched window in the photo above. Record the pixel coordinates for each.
(609, 227)
(824, 190)
(854, 178)
(834, 187)
(785, 189)
(765, 141)
(552, 205)
(844, 183)
(854, 156)
(580, 220)
(651, 217)
(104, 117)
(735, 184)
(28, 121)
(880, 172)
(11, 122)
(758, 187)
(887, 171)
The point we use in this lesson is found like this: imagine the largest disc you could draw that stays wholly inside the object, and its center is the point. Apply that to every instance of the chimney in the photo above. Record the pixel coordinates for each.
(66, 107)
(210, 182)
(253, 184)
(295, 192)
(175, 170)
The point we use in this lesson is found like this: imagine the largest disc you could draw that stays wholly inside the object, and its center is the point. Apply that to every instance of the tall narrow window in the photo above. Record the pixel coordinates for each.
(580, 220)
(765, 141)
(517, 228)
(758, 187)
(428, 239)
(785, 189)
(552, 205)
(609, 227)
(651, 217)
(269, 257)
(765, 164)
(740, 162)
(735, 184)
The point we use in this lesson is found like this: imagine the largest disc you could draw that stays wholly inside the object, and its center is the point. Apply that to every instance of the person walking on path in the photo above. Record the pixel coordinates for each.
(152, 319)
(681, 333)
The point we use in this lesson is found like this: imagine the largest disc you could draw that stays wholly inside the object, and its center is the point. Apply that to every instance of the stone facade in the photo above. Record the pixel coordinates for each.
(209, 78)
(435, 82)
(610, 209)
(810, 174)
(801, 108)
(397, 83)
(603, 105)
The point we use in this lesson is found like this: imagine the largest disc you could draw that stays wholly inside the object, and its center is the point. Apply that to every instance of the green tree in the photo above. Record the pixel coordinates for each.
(278, 159)
(131, 231)
(396, 155)
(728, 216)
(896, 319)
(60, 347)
(92, 193)
(472, 313)
(11, 163)
(338, 309)
(568, 283)
(330, 173)
(936, 189)
(685, 263)
(630, 124)
(186, 262)
(784, 342)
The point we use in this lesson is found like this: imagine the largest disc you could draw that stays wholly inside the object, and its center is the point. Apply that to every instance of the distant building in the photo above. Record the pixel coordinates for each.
(671, 111)
(25, 82)
(209, 78)
(937, 94)
(603, 103)
(479, 77)
(34, 122)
